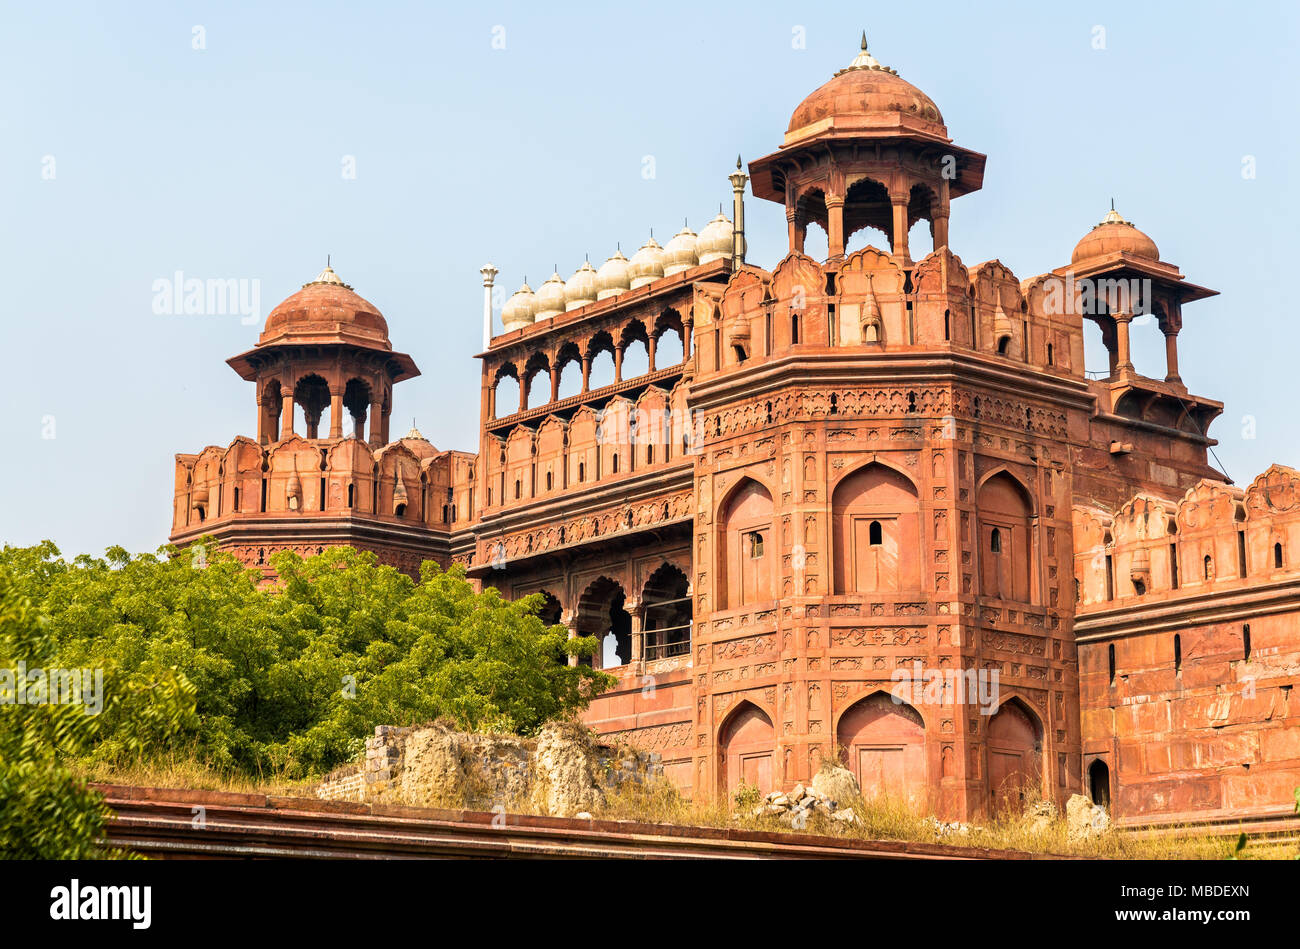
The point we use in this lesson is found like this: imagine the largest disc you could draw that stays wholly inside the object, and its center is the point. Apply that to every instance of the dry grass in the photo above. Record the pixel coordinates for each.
(882, 818)
(183, 772)
(886, 819)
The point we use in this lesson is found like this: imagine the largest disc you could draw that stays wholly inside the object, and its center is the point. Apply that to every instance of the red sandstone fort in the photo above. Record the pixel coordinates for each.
(825, 481)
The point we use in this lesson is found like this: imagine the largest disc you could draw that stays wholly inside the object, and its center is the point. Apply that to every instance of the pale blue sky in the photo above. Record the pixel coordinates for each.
(226, 162)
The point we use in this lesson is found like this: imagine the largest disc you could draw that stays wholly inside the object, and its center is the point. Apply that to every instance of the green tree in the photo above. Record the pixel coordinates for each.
(46, 810)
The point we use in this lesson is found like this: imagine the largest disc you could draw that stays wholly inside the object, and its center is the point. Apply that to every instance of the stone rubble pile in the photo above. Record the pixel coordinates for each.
(801, 804)
(944, 829)
(1085, 819)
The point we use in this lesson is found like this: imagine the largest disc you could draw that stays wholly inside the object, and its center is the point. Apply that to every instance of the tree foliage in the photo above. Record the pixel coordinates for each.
(290, 677)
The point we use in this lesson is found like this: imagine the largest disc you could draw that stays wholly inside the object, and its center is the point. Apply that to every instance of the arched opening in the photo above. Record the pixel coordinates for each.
(885, 744)
(876, 528)
(810, 209)
(601, 614)
(746, 747)
(867, 205)
(745, 572)
(568, 366)
(636, 351)
(537, 381)
(1277, 556)
(1208, 564)
(506, 397)
(1099, 783)
(600, 353)
(666, 617)
(1005, 511)
(669, 348)
(356, 399)
(1015, 750)
(311, 399)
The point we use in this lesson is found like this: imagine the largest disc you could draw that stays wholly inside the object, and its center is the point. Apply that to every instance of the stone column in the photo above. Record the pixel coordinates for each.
(1124, 362)
(618, 363)
(286, 414)
(263, 415)
(899, 204)
(524, 383)
(586, 373)
(376, 423)
(336, 413)
(555, 383)
(939, 228)
(688, 332)
(650, 349)
(637, 659)
(1171, 357)
(835, 228)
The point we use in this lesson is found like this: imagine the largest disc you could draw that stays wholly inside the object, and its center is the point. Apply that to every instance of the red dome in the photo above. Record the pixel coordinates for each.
(1112, 236)
(867, 95)
(326, 310)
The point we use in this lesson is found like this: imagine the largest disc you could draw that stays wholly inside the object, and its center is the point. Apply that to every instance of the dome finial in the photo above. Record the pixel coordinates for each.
(737, 162)
(864, 60)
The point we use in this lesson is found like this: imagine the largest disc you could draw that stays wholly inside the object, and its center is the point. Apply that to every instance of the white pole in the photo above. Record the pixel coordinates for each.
(489, 272)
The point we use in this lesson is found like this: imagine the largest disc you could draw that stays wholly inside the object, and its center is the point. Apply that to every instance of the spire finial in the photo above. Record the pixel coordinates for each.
(737, 161)
(327, 260)
(1112, 204)
(864, 41)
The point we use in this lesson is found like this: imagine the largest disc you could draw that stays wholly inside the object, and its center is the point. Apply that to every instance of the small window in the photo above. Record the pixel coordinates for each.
(518, 489)
(1004, 344)
(400, 510)
(1173, 566)
(755, 541)
(1049, 354)
(1178, 653)
(794, 329)
(582, 472)
(1245, 642)
(875, 534)
(995, 541)
(1139, 588)
(1110, 650)
(1209, 567)
(549, 481)
(1277, 550)
(649, 454)
(444, 514)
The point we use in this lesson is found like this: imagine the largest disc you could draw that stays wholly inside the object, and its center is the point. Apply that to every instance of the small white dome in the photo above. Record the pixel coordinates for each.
(581, 287)
(550, 297)
(519, 309)
(680, 252)
(715, 241)
(612, 278)
(647, 264)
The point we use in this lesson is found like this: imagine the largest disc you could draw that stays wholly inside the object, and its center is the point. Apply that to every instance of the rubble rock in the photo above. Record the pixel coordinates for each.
(1084, 819)
(837, 784)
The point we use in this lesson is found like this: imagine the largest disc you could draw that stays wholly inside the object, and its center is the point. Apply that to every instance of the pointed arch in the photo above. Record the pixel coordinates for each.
(666, 613)
(884, 741)
(745, 545)
(1015, 756)
(1005, 513)
(746, 749)
(875, 514)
